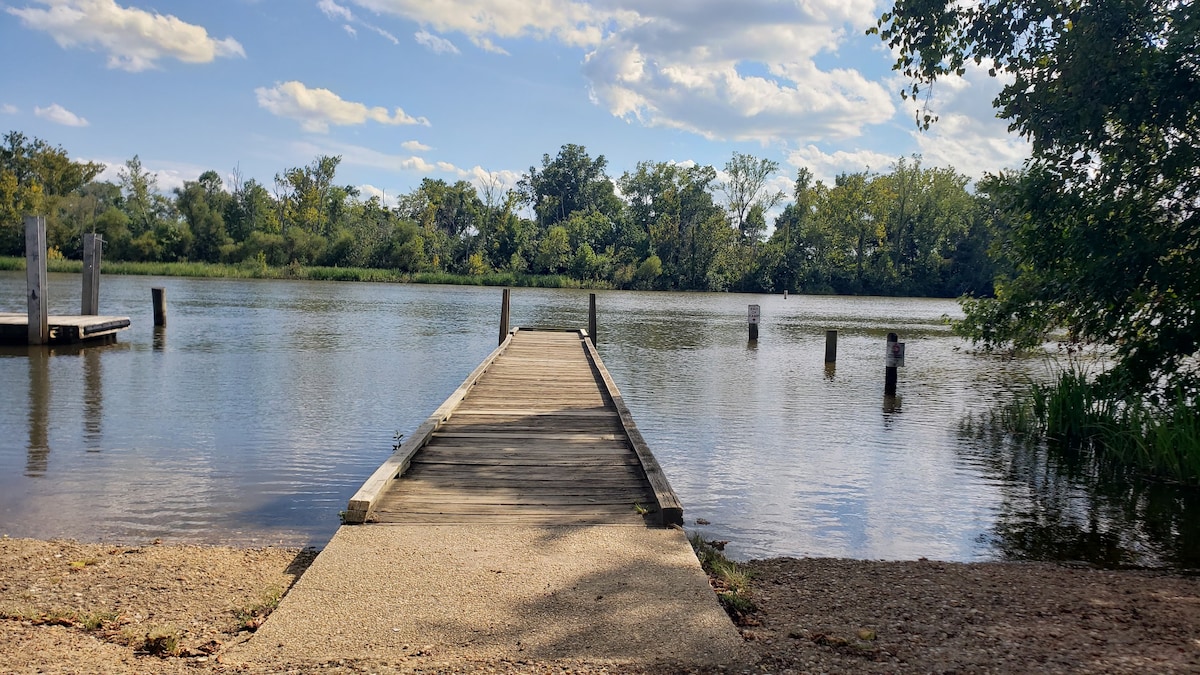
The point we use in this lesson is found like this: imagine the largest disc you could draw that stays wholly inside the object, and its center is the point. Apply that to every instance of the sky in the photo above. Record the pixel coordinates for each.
(476, 90)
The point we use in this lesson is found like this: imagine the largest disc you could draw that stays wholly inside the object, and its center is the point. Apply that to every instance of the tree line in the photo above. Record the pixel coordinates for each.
(912, 230)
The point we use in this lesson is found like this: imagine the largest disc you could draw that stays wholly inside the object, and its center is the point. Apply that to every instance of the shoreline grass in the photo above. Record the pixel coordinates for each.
(1075, 416)
(295, 271)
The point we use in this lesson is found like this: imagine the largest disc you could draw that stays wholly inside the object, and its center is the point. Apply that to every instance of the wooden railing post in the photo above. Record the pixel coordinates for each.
(35, 276)
(592, 318)
(89, 304)
(503, 316)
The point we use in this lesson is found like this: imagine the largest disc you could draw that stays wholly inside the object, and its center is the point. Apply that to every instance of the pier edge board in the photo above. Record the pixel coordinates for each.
(670, 509)
(364, 500)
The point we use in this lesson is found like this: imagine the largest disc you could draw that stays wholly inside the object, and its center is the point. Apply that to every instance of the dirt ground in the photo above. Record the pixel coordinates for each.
(67, 607)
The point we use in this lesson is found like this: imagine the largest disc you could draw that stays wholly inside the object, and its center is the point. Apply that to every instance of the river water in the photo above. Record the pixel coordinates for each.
(263, 405)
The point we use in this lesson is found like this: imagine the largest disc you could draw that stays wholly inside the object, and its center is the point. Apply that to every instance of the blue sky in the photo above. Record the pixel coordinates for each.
(474, 90)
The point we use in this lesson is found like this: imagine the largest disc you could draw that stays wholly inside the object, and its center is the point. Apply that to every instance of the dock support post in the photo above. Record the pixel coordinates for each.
(592, 318)
(831, 346)
(889, 371)
(90, 300)
(159, 295)
(35, 276)
(503, 316)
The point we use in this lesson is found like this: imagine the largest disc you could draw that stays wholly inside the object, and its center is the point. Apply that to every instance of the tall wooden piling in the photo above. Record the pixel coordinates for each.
(35, 277)
(752, 314)
(889, 370)
(831, 346)
(592, 318)
(159, 295)
(89, 304)
(503, 316)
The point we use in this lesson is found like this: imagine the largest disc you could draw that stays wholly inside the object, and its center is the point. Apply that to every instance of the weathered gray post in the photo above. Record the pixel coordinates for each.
(503, 316)
(831, 346)
(752, 314)
(889, 370)
(35, 277)
(592, 317)
(159, 295)
(90, 300)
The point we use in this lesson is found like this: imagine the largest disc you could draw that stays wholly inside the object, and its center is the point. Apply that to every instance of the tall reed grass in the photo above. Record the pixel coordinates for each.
(254, 270)
(1076, 415)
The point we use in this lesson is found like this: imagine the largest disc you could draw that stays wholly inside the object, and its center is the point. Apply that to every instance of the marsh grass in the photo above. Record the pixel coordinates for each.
(258, 270)
(1075, 415)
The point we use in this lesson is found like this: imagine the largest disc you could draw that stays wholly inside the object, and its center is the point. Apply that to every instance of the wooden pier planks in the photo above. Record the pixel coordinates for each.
(536, 438)
(14, 327)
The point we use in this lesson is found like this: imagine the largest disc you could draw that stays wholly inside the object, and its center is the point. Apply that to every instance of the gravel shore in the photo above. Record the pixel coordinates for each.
(67, 607)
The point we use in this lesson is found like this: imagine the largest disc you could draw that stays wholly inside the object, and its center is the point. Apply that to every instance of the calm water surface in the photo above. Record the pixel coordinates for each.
(260, 409)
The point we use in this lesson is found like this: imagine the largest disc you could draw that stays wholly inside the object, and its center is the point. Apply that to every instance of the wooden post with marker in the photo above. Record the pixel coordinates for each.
(89, 304)
(894, 359)
(753, 312)
(35, 277)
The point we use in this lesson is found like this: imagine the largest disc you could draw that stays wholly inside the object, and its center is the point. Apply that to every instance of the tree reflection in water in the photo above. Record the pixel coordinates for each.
(1060, 504)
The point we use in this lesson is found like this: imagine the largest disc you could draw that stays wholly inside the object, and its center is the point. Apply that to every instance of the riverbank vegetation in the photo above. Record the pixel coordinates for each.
(254, 270)
(913, 230)
(1103, 223)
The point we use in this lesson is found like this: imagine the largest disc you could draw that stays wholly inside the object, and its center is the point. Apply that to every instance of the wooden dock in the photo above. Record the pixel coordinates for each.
(14, 328)
(537, 434)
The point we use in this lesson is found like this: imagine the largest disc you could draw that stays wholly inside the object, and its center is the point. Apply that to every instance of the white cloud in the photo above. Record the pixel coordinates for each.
(389, 200)
(60, 115)
(826, 166)
(967, 135)
(134, 39)
(316, 109)
(338, 12)
(573, 23)
(742, 71)
(8, 109)
(415, 146)
(167, 175)
(435, 44)
(357, 155)
(335, 11)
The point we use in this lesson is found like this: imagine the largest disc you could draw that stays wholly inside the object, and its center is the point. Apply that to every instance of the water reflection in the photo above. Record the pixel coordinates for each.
(38, 457)
(275, 399)
(1060, 505)
(93, 400)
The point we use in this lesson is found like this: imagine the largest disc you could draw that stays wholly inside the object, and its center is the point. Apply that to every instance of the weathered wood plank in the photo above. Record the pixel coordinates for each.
(535, 437)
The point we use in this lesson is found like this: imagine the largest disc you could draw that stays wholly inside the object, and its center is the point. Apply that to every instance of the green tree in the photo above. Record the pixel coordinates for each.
(746, 187)
(1108, 208)
(39, 179)
(570, 182)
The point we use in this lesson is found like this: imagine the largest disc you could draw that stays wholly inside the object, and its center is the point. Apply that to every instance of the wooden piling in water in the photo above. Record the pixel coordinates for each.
(831, 346)
(889, 370)
(592, 318)
(35, 277)
(503, 316)
(752, 314)
(159, 295)
(89, 304)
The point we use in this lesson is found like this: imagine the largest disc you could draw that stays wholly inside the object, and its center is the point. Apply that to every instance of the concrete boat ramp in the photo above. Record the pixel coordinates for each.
(525, 521)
